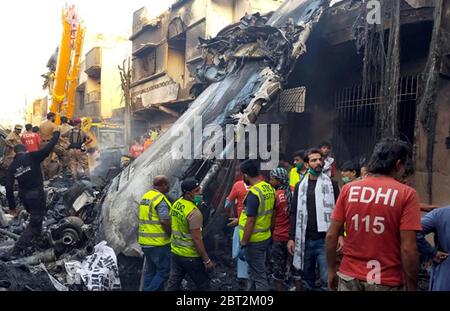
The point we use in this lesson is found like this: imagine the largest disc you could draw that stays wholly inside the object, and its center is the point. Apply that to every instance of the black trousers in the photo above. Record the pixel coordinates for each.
(34, 201)
(194, 267)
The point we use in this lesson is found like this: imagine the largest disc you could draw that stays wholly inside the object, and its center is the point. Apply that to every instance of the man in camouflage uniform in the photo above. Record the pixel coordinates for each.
(62, 147)
(78, 140)
(46, 129)
(11, 141)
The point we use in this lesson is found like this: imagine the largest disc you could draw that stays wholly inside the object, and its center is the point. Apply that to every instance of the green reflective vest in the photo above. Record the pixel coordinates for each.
(266, 197)
(182, 243)
(151, 233)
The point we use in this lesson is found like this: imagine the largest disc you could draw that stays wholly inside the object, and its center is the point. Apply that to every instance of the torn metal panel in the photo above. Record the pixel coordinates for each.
(416, 4)
(84, 199)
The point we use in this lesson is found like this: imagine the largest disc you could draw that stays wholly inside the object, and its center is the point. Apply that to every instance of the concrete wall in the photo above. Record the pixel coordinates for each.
(176, 66)
(114, 52)
(441, 163)
(36, 111)
(252, 6)
(219, 15)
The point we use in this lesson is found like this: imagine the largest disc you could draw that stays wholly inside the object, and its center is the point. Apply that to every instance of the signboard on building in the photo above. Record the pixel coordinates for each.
(157, 91)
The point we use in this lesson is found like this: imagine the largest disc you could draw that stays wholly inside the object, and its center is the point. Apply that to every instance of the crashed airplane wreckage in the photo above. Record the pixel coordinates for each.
(251, 61)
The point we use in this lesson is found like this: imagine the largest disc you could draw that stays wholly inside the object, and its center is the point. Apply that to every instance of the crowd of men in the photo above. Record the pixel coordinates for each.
(67, 155)
(296, 222)
(32, 156)
(41, 153)
(299, 224)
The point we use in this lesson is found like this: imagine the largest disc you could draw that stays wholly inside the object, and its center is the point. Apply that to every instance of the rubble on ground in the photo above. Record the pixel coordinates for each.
(68, 240)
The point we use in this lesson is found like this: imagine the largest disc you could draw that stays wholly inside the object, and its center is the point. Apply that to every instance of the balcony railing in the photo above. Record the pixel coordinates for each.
(94, 62)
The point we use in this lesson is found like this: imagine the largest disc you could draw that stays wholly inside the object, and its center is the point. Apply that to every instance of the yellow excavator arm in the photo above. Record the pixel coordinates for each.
(64, 85)
(73, 80)
(62, 70)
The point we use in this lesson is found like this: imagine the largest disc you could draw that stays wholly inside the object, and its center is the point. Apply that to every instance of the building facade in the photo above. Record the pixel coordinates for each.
(165, 54)
(343, 103)
(99, 89)
(36, 111)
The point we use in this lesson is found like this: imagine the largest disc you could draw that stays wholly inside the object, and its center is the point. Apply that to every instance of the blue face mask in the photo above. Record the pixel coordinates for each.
(313, 172)
(198, 198)
(346, 180)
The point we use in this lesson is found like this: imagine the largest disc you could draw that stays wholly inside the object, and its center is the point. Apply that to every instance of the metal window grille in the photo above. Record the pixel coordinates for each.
(93, 97)
(355, 132)
(292, 100)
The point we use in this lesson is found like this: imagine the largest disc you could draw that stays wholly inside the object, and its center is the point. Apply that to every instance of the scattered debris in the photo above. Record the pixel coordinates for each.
(68, 234)
(98, 271)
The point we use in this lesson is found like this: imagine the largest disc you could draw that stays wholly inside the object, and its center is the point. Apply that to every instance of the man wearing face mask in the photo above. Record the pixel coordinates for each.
(350, 171)
(382, 217)
(189, 255)
(313, 201)
(255, 225)
(299, 170)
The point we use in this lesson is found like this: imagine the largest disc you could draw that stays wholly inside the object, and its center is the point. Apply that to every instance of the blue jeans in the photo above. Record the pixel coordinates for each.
(315, 253)
(157, 268)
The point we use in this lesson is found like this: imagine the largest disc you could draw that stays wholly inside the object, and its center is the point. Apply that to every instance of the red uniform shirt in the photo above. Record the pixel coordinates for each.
(136, 150)
(238, 192)
(31, 141)
(281, 230)
(374, 211)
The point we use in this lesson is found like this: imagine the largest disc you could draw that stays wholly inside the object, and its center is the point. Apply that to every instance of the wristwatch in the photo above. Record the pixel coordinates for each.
(207, 262)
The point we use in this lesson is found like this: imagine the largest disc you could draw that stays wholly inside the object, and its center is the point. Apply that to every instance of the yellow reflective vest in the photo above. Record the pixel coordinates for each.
(182, 243)
(266, 197)
(151, 233)
(295, 177)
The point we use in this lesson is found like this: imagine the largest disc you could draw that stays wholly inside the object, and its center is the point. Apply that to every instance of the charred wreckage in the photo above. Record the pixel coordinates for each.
(90, 233)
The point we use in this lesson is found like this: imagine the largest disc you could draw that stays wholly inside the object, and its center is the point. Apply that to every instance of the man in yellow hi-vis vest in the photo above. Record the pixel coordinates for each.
(255, 224)
(299, 170)
(154, 234)
(189, 255)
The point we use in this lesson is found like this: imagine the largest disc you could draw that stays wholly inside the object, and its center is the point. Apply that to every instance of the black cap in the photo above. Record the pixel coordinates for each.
(189, 184)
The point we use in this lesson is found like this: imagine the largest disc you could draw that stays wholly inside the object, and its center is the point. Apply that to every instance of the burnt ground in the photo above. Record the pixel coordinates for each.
(23, 278)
